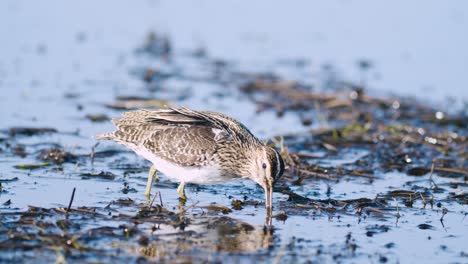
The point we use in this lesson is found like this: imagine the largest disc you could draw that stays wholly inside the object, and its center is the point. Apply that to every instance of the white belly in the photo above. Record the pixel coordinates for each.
(209, 174)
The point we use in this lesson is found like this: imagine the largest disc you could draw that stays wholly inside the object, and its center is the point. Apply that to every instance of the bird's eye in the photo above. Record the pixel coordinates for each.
(264, 165)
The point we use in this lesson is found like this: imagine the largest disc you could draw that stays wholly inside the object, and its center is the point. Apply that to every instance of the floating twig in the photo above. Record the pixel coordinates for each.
(32, 166)
(424, 200)
(71, 200)
(152, 200)
(360, 174)
(160, 199)
(430, 177)
(444, 212)
(93, 153)
(317, 174)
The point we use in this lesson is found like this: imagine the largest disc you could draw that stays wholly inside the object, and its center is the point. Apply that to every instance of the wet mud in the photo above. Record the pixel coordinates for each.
(369, 178)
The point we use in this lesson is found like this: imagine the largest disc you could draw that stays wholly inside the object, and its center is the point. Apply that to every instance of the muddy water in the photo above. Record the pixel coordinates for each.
(353, 195)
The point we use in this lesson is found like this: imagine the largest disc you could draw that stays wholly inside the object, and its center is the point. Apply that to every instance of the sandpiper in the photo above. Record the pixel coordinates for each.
(197, 147)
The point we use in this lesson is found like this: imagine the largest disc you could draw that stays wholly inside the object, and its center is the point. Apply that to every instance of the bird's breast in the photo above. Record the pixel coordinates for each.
(209, 173)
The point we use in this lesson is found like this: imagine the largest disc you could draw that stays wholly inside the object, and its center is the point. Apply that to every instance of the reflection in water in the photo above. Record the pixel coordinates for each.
(219, 235)
(268, 219)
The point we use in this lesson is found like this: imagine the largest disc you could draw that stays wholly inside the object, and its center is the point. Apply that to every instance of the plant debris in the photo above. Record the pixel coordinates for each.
(101, 175)
(97, 117)
(30, 131)
(56, 155)
(32, 166)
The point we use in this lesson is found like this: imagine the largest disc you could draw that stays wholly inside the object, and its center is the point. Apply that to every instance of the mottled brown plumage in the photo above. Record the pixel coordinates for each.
(207, 147)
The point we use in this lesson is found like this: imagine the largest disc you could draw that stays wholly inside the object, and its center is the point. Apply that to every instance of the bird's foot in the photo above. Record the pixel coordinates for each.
(147, 196)
(181, 192)
(151, 175)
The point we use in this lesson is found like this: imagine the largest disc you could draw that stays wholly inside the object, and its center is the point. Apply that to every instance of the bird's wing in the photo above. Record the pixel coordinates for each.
(179, 135)
(185, 146)
(230, 128)
(185, 116)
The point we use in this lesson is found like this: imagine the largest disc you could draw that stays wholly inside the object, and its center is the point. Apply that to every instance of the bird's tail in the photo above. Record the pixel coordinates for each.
(105, 136)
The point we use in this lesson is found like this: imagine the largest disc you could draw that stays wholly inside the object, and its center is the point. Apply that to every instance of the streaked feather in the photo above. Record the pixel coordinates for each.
(179, 135)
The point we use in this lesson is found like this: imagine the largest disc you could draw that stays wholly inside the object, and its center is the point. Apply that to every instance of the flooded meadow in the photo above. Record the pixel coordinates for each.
(371, 176)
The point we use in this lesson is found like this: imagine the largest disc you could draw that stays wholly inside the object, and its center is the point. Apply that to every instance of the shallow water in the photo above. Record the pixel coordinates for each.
(61, 72)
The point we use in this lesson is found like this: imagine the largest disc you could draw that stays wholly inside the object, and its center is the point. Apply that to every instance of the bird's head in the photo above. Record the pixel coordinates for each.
(266, 168)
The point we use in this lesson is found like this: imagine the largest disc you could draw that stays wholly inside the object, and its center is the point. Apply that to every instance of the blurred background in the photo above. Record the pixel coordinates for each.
(416, 48)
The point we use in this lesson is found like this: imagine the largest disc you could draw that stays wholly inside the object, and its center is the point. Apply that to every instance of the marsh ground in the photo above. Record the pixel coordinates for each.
(372, 176)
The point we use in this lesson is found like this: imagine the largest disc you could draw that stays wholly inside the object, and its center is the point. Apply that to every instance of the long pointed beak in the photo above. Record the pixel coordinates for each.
(268, 197)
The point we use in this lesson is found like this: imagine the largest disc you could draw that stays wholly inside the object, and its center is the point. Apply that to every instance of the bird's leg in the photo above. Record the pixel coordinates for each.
(152, 173)
(156, 175)
(181, 191)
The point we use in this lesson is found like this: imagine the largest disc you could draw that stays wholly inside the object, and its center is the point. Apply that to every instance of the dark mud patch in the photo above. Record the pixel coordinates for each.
(30, 131)
(97, 117)
(100, 175)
